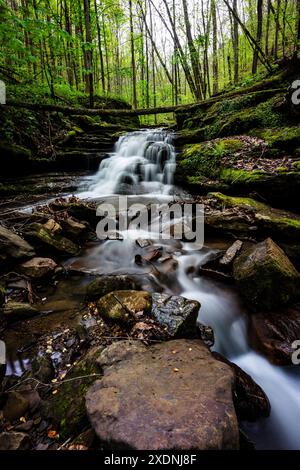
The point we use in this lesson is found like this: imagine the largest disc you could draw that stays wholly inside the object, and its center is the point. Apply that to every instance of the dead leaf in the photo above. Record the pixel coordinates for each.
(52, 434)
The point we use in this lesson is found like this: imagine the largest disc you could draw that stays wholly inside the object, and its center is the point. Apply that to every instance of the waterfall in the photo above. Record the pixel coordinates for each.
(142, 162)
(142, 166)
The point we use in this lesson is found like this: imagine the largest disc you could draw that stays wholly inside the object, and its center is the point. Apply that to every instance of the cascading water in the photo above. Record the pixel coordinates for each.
(143, 164)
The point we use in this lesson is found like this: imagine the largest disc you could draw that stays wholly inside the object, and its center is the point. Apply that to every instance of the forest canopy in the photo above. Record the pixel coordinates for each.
(147, 52)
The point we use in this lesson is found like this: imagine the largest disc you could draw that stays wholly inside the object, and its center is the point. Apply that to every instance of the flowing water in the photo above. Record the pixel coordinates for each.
(143, 164)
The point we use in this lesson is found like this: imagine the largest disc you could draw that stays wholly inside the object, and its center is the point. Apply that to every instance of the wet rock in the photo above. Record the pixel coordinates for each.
(265, 276)
(206, 334)
(177, 314)
(251, 402)
(16, 311)
(105, 284)
(66, 409)
(77, 209)
(14, 441)
(37, 268)
(44, 238)
(273, 334)
(13, 246)
(122, 306)
(72, 227)
(231, 253)
(143, 243)
(42, 369)
(15, 407)
(173, 395)
(52, 226)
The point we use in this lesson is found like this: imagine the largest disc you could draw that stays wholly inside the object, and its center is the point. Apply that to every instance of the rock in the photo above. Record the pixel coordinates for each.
(66, 409)
(251, 402)
(77, 209)
(15, 407)
(52, 226)
(105, 284)
(24, 427)
(231, 253)
(177, 314)
(43, 237)
(265, 276)
(42, 369)
(15, 311)
(13, 246)
(14, 441)
(38, 267)
(72, 227)
(206, 334)
(122, 306)
(273, 334)
(173, 395)
(143, 243)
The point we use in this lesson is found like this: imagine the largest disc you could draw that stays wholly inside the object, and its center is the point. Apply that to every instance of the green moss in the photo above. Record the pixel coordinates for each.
(297, 165)
(245, 202)
(280, 138)
(231, 176)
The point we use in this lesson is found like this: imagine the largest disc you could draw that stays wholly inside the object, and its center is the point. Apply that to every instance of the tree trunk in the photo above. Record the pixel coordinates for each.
(100, 47)
(88, 52)
(133, 66)
(215, 47)
(258, 35)
(236, 42)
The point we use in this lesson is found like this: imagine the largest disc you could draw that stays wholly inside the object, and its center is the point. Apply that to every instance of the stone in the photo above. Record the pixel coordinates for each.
(14, 441)
(16, 311)
(172, 395)
(273, 334)
(265, 276)
(250, 401)
(52, 226)
(122, 306)
(177, 314)
(72, 227)
(42, 237)
(231, 253)
(105, 284)
(37, 268)
(15, 406)
(13, 246)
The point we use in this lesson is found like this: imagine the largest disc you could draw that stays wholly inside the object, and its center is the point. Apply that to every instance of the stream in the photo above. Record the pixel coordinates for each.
(142, 167)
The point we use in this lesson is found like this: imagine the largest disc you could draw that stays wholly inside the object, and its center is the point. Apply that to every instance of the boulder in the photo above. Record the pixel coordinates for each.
(173, 395)
(265, 276)
(105, 284)
(273, 334)
(37, 268)
(14, 441)
(41, 236)
(122, 306)
(15, 406)
(42, 369)
(72, 227)
(250, 401)
(15, 311)
(177, 314)
(13, 246)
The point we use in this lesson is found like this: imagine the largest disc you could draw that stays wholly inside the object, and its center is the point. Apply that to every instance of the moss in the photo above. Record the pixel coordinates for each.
(67, 407)
(280, 138)
(231, 201)
(231, 176)
(297, 165)
(2, 295)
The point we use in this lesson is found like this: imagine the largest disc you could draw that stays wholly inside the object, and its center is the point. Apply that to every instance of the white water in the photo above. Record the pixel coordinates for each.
(144, 163)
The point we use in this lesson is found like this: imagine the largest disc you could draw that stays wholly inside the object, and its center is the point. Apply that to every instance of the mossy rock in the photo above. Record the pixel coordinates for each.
(66, 409)
(43, 238)
(285, 138)
(265, 276)
(281, 224)
(121, 306)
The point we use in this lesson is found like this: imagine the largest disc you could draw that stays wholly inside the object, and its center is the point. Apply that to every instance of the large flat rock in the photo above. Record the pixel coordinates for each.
(173, 395)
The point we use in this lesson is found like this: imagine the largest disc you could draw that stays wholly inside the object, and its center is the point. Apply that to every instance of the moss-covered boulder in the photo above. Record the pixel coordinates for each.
(44, 239)
(280, 138)
(265, 276)
(122, 306)
(280, 224)
(13, 246)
